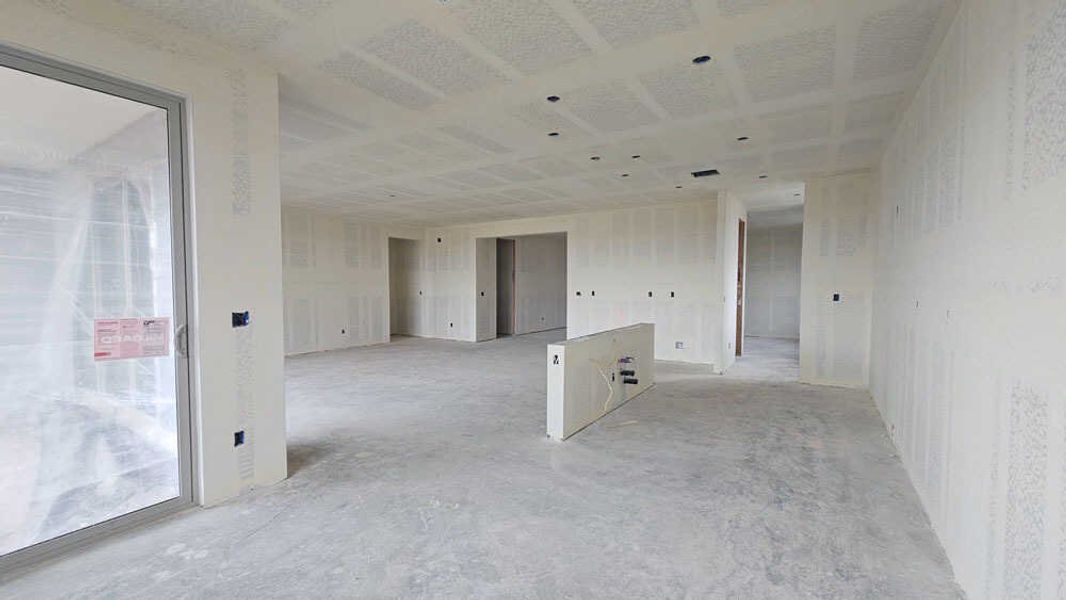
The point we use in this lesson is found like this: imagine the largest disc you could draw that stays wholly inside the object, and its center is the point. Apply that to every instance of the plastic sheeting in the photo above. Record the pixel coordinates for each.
(85, 234)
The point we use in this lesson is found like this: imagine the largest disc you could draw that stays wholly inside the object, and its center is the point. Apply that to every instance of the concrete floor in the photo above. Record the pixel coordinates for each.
(420, 470)
(767, 359)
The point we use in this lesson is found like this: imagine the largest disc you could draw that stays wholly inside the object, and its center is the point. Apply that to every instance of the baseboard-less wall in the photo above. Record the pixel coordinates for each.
(335, 282)
(772, 306)
(540, 283)
(837, 284)
(968, 325)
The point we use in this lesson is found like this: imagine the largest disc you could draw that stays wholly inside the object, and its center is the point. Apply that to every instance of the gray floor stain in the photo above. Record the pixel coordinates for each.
(420, 470)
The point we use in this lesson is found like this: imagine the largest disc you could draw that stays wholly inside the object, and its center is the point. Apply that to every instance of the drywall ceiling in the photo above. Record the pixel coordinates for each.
(435, 111)
(775, 217)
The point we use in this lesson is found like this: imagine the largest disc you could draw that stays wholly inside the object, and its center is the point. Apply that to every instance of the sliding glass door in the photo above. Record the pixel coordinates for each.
(94, 410)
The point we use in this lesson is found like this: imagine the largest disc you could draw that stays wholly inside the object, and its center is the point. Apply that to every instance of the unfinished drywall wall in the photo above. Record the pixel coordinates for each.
(540, 283)
(968, 325)
(485, 283)
(837, 282)
(590, 376)
(733, 212)
(773, 289)
(236, 250)
(335, 282)
(625, 266)
(404, 278)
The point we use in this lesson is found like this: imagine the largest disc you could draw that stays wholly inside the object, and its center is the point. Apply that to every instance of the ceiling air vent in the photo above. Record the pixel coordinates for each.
(707, 173)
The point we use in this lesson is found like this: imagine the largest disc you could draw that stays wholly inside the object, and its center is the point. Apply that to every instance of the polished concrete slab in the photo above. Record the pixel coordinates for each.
(420, 470)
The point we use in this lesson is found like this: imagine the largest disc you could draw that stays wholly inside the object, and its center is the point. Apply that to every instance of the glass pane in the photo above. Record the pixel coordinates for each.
(88, 432)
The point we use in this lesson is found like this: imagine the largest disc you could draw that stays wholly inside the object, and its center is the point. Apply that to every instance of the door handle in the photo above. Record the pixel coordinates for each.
(181, 340)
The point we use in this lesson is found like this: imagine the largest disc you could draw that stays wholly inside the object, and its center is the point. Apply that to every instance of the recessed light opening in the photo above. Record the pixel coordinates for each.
(699, 60)
(705, 173)
(625, 174)
(553, 134)
(553, 98)
(636, 156)
(594, 158)
(763, 176)
(743, 138)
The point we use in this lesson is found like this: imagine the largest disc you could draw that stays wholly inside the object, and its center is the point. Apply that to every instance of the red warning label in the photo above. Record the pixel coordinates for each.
(115, 339)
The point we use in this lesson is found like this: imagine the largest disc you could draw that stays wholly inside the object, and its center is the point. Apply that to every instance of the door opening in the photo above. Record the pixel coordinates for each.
(741, 246)
(505, 287)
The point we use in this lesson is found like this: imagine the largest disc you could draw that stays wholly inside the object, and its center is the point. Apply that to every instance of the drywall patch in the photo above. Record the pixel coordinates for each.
(431, 57)
(242, 168)
(543, 40)
(352, 69)
(895, 40)
(622, 23)
(685, 91)
(1045, 100)
(1026, 482)
(790, 65)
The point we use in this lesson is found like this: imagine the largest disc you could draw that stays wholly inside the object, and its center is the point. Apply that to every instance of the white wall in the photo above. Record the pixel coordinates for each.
(621, 255)
(485, 283)
(838, 249)
(772, 306)
(540, 283)
(335, 282)
(236, 253)
(969, 324)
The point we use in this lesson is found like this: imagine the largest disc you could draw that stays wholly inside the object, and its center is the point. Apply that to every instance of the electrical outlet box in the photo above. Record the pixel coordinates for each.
(242, 319)
(679, 345)
(238, 438)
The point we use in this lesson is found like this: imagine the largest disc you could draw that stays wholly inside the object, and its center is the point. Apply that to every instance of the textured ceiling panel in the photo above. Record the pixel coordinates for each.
(551, 166)
(787, 66)
(811, 158)
(689, 90)
(475, 139)
(474, 177)
(861, 151)
(878, 111)
(740, 165)
(353, 69)
(511, 172)
(306, 8)
(526, 33)
(544, 119)
(894, 41)
(432, 58)
(622, 22)
(735, 8)
(609, 107)
(239, 22)
(799, 125)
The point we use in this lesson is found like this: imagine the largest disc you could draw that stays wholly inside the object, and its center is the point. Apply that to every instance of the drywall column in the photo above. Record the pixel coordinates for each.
(485, 284)
(540, 283)
(967, 366)
(772, 308)
(335, 282)
(235, 219)
(835, 294)
(505, 300)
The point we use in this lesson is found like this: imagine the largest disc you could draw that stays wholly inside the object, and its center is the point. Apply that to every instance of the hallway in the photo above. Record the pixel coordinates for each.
(767, 359)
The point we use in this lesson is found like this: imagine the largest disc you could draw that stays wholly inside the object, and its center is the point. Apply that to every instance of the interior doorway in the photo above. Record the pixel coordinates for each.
(505, 287)
(742, 245)
(404, 293)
